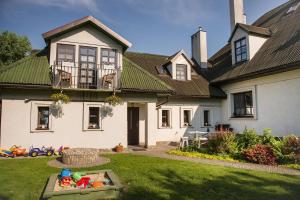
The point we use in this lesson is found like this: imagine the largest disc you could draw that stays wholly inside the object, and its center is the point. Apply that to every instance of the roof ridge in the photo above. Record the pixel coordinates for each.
(146, 72)
(151, 54)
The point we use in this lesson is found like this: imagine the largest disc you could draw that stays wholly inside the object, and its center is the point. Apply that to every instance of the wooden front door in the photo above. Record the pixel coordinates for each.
(133, 125)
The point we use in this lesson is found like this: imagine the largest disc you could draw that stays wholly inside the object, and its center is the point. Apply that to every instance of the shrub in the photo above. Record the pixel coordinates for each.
(248, 139)
(202, 155)
(268, 139)
(291, 144)
(261, 154)
(222, 142)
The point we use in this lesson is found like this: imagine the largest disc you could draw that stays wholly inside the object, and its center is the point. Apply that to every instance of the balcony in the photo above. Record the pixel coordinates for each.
(85, 76)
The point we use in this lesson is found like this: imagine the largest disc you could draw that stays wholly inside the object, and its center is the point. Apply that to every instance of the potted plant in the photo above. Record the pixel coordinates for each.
(58, 100)
(119, 148)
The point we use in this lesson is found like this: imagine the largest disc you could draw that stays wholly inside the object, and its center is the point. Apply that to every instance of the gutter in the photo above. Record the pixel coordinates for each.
(164, 102)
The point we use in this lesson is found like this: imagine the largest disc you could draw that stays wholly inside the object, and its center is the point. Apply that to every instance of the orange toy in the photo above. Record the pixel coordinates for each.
(97, 184)
(18, 151)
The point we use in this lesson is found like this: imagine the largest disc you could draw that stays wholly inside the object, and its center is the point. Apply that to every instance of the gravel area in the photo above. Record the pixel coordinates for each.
(161, 153)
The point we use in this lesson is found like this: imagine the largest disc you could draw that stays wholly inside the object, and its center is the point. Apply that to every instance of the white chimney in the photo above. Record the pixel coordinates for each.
(236, 13)
(199, 47)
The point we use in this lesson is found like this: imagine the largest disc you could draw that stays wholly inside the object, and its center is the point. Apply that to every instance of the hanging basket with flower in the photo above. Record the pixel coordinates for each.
(113, 100)
(58, 100)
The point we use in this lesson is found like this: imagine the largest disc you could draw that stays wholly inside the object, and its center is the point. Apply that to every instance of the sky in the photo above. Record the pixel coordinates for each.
(152, 26)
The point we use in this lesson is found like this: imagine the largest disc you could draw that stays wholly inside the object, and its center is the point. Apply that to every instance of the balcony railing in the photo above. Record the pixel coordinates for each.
(85, 76)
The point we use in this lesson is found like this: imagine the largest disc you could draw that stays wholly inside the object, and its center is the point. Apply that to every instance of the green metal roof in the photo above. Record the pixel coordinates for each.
(31, 70)
(135, 78)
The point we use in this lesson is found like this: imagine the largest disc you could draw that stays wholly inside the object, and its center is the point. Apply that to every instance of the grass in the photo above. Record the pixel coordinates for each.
(202, 155)
(156, 178)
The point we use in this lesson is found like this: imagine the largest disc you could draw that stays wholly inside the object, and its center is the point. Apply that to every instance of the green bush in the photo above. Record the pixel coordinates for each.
(276, 145)
(291, 144)
(248, 139)
(222, 142)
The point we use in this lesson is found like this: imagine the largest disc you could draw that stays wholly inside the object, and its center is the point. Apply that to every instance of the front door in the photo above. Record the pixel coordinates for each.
(133, 125)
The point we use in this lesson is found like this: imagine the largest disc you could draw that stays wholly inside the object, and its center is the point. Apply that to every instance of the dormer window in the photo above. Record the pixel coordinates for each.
(109, 57)
(65, 53)
(181, 72)
(240, 50)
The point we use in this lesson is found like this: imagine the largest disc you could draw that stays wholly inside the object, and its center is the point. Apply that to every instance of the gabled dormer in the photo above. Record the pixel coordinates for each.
(179, 65)
(86, 54)
(246, 40)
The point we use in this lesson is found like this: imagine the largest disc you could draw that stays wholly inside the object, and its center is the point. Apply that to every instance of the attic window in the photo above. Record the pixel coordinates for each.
(293, 8)
(240, 48)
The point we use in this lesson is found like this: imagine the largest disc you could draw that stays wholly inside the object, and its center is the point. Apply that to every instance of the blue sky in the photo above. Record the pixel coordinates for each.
(153, 26)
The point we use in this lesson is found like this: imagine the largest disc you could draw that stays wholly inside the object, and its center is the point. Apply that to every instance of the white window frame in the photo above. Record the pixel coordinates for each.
(86, 111)
(182, 125)
(230, 94)
(34, 117)
(160, 118)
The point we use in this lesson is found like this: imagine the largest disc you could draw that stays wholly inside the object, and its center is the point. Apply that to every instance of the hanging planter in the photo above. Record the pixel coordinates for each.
(58, 100)
(113, 100)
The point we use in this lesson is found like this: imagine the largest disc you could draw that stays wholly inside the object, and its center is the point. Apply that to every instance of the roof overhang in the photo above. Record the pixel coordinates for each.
(176, 55)
(252, 30)
(83, 21)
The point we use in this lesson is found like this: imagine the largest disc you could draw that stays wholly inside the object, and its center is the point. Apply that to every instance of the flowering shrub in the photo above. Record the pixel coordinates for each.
(291, 144)
(248, 139)
(222, 142)
(261, 154)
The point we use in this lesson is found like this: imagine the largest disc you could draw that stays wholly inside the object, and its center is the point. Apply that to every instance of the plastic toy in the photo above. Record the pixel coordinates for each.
(76, 176)
(60, 150)
(106, 181)
(65, 181)
(97, 184)
(18, 151)
(6, 153)
(65, 173)
(33, 152)
(83, 182)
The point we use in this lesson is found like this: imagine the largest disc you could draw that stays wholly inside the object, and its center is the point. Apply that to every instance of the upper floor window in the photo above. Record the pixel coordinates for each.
(240, 47)
(243, 104)
(181, 72)
(65, 52)
(109, 57)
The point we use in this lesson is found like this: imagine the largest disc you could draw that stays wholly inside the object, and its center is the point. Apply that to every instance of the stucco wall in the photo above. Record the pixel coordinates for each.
(181, 60)
(277, 99)
(67, 130)
(176, 131)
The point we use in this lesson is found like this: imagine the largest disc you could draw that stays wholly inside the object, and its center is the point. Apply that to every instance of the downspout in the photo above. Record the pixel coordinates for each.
(162, 103)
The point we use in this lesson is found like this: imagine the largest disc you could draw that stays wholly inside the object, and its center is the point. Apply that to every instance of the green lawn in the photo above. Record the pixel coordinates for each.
(156, 178)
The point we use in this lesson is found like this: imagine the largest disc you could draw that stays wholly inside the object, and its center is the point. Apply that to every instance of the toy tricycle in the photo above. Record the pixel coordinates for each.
(18, 151)
(6, 153)
(33, 152)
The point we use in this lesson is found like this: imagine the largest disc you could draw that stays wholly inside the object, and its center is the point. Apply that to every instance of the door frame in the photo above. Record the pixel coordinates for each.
(138, 125)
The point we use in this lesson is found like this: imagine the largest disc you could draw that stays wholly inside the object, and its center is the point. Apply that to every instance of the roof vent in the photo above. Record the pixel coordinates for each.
(293, 8)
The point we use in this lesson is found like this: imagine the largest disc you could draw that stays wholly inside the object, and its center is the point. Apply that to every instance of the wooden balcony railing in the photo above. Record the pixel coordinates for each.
(85, 76)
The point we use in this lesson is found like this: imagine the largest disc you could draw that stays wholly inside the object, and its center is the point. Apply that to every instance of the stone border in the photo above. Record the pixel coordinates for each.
(57, 163)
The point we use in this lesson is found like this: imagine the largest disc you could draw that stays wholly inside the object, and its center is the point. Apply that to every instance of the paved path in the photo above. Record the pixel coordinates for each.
(161, 153)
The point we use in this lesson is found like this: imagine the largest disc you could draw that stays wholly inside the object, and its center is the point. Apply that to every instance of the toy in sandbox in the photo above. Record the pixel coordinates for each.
(89, 185)
(33, 152)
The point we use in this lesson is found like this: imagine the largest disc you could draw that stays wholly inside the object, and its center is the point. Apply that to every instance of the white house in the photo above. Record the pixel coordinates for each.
(252, 82)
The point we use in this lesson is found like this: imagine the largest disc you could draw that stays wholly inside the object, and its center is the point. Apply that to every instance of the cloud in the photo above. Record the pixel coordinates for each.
(90, 5)
(176, 11)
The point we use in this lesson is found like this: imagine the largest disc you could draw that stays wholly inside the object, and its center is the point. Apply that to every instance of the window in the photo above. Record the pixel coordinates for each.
(109, 57)
(206, 117)
(94, 118)
(243, 104)
(43, 118)
(65, 52)
(240, 47)
(187, 117)
(165, 118)
(181, 72)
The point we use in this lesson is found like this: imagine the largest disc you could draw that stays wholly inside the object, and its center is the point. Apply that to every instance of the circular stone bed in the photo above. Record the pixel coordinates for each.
(79, 158)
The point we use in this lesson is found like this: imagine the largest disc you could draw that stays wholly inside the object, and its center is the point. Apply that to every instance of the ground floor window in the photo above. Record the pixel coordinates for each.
(206, 118)
(165, 118)
(243, 104)
(94, 118)
(43, 118)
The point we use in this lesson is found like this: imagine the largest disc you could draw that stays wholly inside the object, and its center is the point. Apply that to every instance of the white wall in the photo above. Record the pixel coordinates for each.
(176, 131)
(67, 130)
(277, 103)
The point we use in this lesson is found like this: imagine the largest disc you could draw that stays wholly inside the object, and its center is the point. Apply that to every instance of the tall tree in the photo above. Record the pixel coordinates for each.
(13, 47)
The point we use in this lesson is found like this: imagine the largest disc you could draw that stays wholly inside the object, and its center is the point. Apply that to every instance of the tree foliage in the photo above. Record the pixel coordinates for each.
(13, 47)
